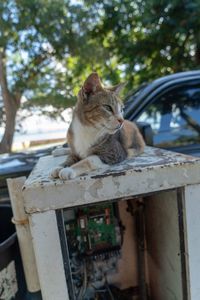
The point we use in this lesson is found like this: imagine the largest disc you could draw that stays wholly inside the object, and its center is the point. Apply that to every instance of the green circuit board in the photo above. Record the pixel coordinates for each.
(93, 230)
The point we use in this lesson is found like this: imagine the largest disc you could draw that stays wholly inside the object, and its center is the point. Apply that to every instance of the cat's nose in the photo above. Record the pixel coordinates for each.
(120, 120)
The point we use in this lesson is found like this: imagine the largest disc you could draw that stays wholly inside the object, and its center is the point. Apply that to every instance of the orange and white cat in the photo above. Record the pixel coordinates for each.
(98, 135)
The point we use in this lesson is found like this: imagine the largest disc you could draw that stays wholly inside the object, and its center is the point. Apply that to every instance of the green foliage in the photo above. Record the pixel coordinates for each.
(51, 46)
(35, 35)
(151, 38)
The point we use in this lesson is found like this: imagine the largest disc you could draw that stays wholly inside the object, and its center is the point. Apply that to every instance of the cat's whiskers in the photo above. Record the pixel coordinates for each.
(115, 129)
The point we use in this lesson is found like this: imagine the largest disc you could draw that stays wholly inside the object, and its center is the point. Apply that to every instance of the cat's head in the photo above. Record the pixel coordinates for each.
(100, 106)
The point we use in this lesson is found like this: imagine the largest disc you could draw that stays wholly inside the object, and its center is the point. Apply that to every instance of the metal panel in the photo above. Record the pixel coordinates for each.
(23, 233)
(192, 214)
(154, 170)
(46, 243)
(163, 246)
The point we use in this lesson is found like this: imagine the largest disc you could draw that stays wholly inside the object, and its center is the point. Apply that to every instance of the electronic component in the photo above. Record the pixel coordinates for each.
(94, 238)
(93, 230)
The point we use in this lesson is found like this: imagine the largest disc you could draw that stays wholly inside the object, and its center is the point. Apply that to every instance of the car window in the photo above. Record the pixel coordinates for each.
(175, 117)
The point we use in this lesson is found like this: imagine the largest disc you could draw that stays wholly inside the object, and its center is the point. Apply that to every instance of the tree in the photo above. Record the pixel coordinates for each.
(22, 56)
(150, 38)
(39, 43)
(47, 48)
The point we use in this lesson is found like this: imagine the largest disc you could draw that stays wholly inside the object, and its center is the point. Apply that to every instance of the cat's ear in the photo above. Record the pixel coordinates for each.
(117, 88)
(91, 86)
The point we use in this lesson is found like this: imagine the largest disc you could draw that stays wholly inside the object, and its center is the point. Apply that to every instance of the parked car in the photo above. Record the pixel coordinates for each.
(170, 105)
(16, 165)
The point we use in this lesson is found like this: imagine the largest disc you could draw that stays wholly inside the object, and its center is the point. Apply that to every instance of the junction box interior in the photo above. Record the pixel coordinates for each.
(125, 249)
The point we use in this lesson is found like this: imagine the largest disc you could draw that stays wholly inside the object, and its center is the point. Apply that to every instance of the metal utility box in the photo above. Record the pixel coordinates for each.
(128, 232)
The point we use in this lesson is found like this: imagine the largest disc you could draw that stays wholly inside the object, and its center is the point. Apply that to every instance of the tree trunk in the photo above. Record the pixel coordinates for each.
(11, 105)
(7, 139)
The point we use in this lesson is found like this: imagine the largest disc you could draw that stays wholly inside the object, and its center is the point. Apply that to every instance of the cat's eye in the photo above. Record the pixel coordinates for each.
(108, 108)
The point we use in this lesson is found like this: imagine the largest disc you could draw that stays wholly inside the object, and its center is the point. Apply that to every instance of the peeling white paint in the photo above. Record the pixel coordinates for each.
(154, 170)
(185, 173)
(8, 282)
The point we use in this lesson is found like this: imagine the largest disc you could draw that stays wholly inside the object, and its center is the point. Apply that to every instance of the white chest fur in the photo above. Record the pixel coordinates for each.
(84, 137)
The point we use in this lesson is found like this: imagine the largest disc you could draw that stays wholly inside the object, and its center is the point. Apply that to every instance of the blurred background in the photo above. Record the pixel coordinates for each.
(48, 47)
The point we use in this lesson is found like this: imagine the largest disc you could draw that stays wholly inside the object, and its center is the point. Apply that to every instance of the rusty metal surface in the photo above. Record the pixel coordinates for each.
(151, 158)
(154, 170)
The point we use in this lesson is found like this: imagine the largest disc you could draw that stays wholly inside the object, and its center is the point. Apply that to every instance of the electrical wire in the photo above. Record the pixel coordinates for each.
(84, 285)
(109, 290)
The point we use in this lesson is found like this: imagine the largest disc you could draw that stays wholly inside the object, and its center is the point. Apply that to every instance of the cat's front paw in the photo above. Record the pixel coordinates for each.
(55, 172)
(67, 173)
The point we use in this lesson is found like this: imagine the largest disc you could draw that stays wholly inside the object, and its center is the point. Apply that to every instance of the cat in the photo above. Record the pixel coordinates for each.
(98, 135)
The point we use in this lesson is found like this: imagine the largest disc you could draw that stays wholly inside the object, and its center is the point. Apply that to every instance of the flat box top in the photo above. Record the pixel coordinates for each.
(152, 171)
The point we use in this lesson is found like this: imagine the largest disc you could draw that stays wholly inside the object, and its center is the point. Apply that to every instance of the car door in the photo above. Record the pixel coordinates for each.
(175, 119)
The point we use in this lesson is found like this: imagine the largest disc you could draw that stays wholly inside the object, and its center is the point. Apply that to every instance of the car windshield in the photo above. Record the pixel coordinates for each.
(174, 117)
